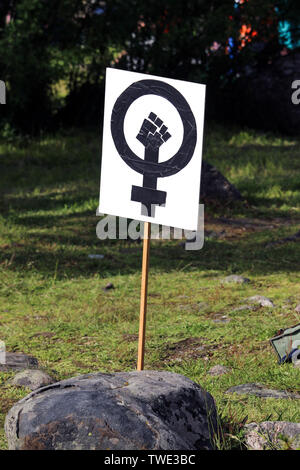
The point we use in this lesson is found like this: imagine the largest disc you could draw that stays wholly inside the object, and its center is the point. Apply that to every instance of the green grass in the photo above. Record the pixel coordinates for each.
(52, 302)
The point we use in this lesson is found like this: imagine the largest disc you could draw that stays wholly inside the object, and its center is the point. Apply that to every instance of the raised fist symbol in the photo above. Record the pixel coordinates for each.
(153, 132)
(152, 135)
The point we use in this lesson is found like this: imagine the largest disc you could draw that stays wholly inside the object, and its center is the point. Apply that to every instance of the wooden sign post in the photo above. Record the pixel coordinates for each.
(151, 158)
(143, 304)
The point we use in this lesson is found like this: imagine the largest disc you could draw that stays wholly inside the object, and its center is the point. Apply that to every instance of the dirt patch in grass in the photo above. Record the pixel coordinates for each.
(6, 404)
(189, 348)
(81, 365)
(44, 334)
(232, 229)
(129, 338)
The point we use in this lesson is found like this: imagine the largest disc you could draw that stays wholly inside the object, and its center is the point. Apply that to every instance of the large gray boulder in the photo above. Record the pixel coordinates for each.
(125, 410)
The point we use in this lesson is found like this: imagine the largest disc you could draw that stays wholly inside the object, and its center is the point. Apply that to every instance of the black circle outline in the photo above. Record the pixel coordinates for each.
(121, 106)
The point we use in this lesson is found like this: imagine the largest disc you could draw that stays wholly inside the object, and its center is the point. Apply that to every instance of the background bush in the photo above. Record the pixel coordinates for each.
(53, 55)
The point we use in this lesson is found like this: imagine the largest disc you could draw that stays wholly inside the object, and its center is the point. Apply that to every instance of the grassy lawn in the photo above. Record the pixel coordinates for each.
(52, 302)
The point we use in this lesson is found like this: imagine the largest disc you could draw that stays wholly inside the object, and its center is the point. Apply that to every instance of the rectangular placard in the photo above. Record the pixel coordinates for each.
(152, 149)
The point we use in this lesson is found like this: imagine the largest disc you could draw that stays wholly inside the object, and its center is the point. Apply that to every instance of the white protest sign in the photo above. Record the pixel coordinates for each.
(152, 149)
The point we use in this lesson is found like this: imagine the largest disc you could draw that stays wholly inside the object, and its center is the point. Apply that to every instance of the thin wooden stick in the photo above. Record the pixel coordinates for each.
(143, 305)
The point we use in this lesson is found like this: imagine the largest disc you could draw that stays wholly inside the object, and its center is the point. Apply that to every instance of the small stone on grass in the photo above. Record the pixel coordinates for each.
(261, 300)
(18, 361)
(31, 378)
(234, 278)
(260, 391)
(272, 435)
(219, 370)
(243, 307)
(221, 319)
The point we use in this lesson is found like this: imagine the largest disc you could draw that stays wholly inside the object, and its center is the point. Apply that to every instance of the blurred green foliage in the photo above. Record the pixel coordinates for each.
(53, 55)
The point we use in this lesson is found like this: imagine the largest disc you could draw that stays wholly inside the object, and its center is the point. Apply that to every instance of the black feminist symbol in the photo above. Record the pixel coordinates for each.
(153, 134)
